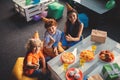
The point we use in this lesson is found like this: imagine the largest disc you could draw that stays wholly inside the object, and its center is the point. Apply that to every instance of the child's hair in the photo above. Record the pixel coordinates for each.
(71, 11)
(49, 22)
(32, 43)
(76, 25)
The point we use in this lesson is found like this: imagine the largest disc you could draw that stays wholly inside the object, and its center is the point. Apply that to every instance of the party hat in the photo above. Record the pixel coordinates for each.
(45, 19)
(69, 8)
(36, 35)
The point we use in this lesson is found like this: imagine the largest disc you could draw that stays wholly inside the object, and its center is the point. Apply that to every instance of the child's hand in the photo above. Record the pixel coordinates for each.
(43, 70)
(68, 37)
(56, 51)
(37, 66)
(52, 39)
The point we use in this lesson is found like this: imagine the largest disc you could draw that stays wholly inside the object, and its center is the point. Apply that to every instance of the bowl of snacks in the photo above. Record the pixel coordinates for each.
(74, 74)
(106, 56)
(67, 57)
(87, 55)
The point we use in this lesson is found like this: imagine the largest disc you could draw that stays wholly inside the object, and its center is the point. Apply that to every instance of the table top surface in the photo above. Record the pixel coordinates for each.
(89, 68)
(94, 5)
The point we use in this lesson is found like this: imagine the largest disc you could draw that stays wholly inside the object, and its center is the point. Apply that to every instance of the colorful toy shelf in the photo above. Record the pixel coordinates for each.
(28, 11)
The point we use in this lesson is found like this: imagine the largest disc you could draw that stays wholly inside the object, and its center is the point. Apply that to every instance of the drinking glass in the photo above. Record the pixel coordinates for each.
(94, 48)
(65, 66)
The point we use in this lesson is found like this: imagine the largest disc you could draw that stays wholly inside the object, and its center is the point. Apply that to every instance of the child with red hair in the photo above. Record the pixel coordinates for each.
(52, 37)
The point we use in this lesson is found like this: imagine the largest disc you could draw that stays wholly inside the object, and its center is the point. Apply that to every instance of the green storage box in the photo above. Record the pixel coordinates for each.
(111, 71)
(55, 10)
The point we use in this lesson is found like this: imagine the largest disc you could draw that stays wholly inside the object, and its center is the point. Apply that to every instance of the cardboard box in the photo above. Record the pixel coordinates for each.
(111, 71)
(95, 77)
(98, 36)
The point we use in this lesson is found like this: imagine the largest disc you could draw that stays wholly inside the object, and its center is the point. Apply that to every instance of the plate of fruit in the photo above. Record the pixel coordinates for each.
(67, 57)
(87, 55)
(74, 74)
(106, 56)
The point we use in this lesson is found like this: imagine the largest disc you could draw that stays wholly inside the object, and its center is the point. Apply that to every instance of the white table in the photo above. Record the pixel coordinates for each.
(97, 6)
(56, 67)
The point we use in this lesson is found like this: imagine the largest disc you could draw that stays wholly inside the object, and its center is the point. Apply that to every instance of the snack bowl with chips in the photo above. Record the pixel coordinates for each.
(87, 55)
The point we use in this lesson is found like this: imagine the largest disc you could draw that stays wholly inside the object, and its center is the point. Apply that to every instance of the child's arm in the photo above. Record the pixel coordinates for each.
(65, 28)
(51, 41)
(48, 41)
(70, 38)
(55, 51)
(43, 63)
(32, 66)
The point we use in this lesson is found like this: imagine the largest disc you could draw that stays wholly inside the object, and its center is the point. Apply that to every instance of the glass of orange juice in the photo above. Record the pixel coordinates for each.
(82, 62)
(65, 66)
(94, 48)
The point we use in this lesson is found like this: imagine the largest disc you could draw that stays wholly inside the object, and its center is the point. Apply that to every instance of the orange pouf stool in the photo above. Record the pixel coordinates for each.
(17, 72)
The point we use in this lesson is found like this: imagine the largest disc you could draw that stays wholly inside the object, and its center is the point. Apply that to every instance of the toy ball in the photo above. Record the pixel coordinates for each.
(44, 14)
(36, 17)
(110, 4)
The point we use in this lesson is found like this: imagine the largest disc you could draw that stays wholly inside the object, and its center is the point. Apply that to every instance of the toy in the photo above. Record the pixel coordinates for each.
(35, 1)
(110, 4)
(44, 13)
(36, 17)
(28, 2)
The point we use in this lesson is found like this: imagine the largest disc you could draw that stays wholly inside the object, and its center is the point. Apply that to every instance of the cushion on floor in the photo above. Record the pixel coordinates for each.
(55, 10)
(17, 72)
